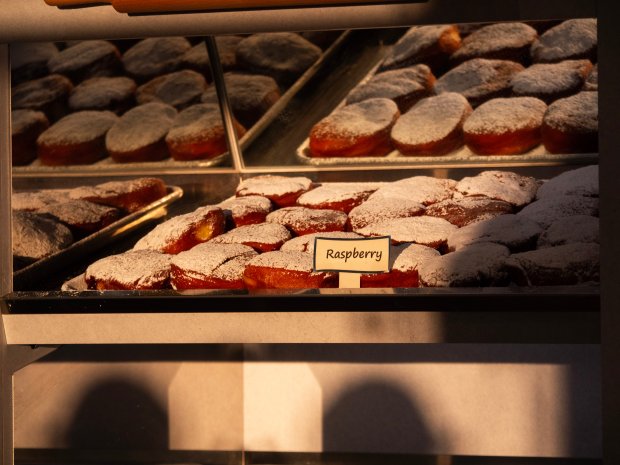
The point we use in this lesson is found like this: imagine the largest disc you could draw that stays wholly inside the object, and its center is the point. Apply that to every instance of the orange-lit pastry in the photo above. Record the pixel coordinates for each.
(198, 133)
(264, 237)
(128, 196)
(570, 125)
(242, 211)
(139, 135)
(505, 126)
(301, 220)
(501, 41)
(26, 126)
(211, 266)
(357, 130)
(184, 231)
(341, 196)
(434, 126)
(281, 190)
(77, 139)
(404, 262)
(132, 270)
(286, 270)
(86, 59)
(380, 209)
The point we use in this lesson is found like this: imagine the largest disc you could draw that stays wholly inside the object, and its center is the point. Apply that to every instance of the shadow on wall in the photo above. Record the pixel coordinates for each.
(376, 417)
(118, 414)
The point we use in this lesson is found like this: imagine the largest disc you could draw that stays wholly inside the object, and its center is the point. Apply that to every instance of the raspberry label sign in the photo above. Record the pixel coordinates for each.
(351, 257)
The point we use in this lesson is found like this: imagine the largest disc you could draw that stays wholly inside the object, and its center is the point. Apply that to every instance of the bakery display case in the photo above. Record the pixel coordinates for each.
(444, 295)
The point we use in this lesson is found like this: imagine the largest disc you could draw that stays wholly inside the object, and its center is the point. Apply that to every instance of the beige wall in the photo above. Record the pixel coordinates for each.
(459, 399)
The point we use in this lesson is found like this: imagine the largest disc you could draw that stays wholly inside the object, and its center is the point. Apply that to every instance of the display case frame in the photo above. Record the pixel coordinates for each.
(21, 331)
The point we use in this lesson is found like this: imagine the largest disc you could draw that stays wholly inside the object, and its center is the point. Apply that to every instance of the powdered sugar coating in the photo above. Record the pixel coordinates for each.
(500, 185)
(171, 230)
(155, 56)
(424, 230)
(35, 236)
(357, 120)
(196, 123)
(477, 265)
(101, 93)
(582, 181)
(23, 120)
(578, 228)
(332, 193)
(575, 114)
(177, 89)
(468, 210)
(140, 127)
(575, 38)
(479, 79)
(550, 209)
(395, 84)
(135, 269)
(36, 94)
(197, 58)
(495, 39)
(27, 53)
(303, 220)
(269, 234)
(268, 186)
(407, 257)
(506, 115)
(78, 128)
(82, 214)
(565, 264)
(306, 243)
(515, 232)
(85, 55)
(211, 259)
(383, 208)
(418, 42)
(283, 55)
(240, 207)
(421, 189)
(286, 260)
(432, 120)
(35, 200)
(550, 80)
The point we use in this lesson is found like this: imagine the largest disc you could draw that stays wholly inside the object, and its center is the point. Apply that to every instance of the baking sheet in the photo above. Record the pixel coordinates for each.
(109, 165)
(458, 158)
(76, 251)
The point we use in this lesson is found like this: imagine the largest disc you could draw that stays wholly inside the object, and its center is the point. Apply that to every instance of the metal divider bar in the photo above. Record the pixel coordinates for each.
(222, 97)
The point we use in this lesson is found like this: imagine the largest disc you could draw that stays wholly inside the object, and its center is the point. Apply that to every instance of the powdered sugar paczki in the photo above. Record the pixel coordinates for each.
(79, 127)
(500, 185)
(101, 93)
(421, 189)
(303, 220)
(135, 269)
(575, 38)
(578, 113)
(35, 236)
(468, 210)
(419, 42)
(550, 209)
(264, 236)
(505, 116)
(306, 243)
(177, 89)
(379, 209)
(582, 181)
(155, 56)
(578, 228)
(273, 186)
(424, 230)
(549, 80)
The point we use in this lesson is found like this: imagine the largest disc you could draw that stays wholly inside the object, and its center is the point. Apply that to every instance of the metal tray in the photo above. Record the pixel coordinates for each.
(56, 262)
